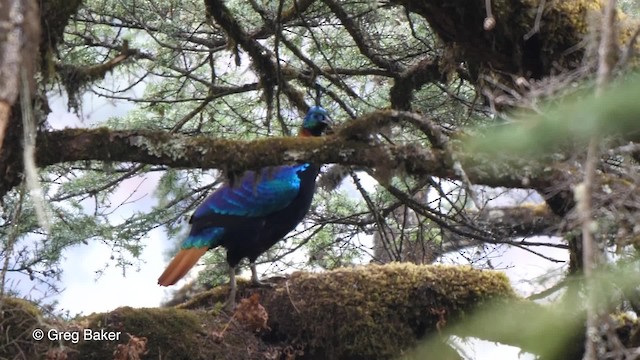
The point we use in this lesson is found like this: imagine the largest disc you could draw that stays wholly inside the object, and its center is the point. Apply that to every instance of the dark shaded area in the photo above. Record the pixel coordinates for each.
(512, 46)
(54, 17)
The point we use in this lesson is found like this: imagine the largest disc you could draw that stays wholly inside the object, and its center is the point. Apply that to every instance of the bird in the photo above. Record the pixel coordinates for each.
(250, 215)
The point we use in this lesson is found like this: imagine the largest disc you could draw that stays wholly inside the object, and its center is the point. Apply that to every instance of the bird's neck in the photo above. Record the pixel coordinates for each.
(313, 168)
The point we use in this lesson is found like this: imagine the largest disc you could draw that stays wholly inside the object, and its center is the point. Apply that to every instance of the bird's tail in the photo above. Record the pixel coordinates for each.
(180, 265)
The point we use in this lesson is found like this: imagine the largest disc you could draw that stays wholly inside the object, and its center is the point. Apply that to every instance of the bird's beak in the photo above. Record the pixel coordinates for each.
(329, 125)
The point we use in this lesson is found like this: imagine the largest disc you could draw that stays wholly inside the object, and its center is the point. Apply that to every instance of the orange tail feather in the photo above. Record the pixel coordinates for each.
(180, 265)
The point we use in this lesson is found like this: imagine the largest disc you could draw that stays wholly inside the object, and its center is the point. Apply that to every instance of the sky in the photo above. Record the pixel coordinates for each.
(85, 292)
(90, 280)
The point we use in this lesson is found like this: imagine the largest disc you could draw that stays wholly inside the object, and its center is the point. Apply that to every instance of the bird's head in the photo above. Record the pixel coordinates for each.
(316, 122)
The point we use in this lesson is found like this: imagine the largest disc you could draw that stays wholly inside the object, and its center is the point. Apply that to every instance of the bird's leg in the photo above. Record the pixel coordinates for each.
(231, 301)
(254, 276)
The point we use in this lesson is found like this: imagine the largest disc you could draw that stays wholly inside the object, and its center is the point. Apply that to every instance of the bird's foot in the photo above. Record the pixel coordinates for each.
(261, 284)
(229, 305)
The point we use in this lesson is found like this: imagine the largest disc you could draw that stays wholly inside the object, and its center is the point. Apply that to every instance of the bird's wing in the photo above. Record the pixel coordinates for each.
(256, 195)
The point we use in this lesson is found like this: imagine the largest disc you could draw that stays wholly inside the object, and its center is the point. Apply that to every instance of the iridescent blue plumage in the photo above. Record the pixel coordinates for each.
(314, 119)
(204, 238)
(273, 189)
(250, 216)
(255, 196)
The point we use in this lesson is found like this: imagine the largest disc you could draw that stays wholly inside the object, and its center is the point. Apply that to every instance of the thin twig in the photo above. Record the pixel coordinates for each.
(536, 24)
(489, 21)
(361, 38)
(591, 255)
(630, 49)
(549, 291)
(286, 284)
(29, 153)
(13, 235)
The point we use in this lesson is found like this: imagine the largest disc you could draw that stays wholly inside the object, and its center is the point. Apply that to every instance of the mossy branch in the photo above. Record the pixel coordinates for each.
(495, 159)
(180, 151)
(78, 76)
(368, 312)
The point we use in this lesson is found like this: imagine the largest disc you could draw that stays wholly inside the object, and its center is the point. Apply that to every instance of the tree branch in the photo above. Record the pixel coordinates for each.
(182, 151)
(359, 37)
(426, 71)
(266, 68)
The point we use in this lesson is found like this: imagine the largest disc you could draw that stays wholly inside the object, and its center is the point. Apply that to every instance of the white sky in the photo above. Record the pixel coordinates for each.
(85, 292)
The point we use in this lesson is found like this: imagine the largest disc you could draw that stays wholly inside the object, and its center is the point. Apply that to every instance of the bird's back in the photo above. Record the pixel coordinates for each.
(275, 225)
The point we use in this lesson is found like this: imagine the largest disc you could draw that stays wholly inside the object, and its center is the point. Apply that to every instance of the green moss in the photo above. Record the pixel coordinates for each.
(519, 43)
(215, 298)
(15, 304)
(374, 311)
(240, 156)
(171, 333)
(377, 311)
(351, 313)
(564, 24)
(18, 319)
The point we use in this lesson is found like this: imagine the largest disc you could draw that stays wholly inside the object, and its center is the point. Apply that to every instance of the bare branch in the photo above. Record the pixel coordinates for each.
(267, 69)
(592, 253)
(426, 71)
(363, 43)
